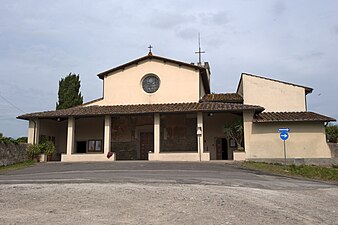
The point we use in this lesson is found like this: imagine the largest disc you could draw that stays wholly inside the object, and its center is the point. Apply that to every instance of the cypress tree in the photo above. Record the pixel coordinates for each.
(69, 92)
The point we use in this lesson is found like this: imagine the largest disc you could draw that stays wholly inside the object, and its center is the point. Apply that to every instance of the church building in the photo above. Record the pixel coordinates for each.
(159, 109)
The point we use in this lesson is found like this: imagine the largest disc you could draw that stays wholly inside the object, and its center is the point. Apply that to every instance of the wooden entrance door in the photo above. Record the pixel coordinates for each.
(146, 144)
(221, 149)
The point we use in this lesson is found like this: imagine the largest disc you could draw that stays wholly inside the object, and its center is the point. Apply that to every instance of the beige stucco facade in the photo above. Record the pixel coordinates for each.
(274, 96)
(306, 140)
(177, 84)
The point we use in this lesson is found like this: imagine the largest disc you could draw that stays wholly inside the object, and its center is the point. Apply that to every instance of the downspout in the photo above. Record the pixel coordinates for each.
(305, 104)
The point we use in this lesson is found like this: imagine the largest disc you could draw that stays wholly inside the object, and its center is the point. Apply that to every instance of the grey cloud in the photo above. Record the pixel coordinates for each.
(279, 8)
(169, 20)
(218, 18)
(335, 30)
(188, 33)
(311, 55)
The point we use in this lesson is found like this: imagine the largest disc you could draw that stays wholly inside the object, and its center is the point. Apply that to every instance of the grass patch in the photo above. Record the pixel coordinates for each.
(312, 172)
(17, 166)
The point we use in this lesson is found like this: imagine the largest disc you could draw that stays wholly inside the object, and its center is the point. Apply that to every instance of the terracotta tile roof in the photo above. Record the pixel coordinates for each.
(267, 117)
(143, 109)
(225, 97)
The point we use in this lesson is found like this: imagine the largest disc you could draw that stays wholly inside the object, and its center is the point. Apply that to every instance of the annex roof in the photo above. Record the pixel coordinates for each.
(143, 109)
(268, 117)
(202, 69)
(308, 90)
(223, 97)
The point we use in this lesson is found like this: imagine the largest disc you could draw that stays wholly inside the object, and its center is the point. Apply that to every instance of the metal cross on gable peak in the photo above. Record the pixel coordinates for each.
(150, 52)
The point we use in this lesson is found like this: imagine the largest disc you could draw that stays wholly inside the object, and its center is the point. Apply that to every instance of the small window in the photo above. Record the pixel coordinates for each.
(95, 146)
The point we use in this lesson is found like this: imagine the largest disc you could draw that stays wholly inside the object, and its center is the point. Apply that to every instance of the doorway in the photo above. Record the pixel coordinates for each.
(222, 149)
(81, 147)
(146, 144)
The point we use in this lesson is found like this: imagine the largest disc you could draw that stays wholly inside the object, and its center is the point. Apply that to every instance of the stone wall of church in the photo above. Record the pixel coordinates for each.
(125, 135)
(126, 150)
(178, 133)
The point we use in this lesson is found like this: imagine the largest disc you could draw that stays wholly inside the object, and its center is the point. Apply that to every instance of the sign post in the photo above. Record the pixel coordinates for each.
(284, 135)
(199, 134)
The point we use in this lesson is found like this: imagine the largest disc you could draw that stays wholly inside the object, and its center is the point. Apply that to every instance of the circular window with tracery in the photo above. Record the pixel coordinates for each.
(150, 83)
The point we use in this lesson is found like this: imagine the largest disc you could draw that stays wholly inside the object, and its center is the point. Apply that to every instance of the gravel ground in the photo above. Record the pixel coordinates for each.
(128, 203)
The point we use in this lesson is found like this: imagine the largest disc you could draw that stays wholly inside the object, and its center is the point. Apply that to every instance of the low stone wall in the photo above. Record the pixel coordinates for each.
(12, 153)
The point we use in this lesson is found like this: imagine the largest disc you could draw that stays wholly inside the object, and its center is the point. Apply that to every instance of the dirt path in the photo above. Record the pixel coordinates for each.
(164, 204)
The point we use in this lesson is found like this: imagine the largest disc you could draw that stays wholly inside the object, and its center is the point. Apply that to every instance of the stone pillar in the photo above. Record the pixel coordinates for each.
(157, 134)
(70, 135)
(33, 131)
(107, 134)
(200, 136)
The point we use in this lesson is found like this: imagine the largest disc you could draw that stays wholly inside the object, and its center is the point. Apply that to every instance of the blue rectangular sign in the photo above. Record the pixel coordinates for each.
(283, 129)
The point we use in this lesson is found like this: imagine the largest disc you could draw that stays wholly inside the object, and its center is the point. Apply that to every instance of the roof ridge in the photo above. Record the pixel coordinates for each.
(291, 116)
(101, 74)
(190, 107)
(307, 89)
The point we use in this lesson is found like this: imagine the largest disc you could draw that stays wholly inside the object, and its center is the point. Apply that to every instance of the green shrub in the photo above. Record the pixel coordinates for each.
(34, 151)
(332, 133)
(22, 140)
(8, 140)
(47, 148)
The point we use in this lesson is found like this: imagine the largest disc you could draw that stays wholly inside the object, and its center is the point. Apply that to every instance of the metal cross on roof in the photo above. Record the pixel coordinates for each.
(150, 47)
(200, 52)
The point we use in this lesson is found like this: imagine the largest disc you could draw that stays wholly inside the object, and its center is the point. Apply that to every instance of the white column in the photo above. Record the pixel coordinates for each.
(200, 137)
(70, 135)
(33, 131)
(107, 134)
(157, 133)
(247, 129)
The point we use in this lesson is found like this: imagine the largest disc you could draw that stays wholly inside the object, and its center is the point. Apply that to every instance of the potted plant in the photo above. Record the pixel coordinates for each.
(234, 131)
(48, 149)
(34, 151)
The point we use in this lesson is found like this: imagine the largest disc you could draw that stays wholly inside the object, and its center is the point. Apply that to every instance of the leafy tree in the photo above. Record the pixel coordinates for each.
(332, 133)
(22, 140)
(8, 140)
(69, 92)
(1, 134)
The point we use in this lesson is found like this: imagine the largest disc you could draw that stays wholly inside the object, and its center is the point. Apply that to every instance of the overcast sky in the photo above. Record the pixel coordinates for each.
(42, 41)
